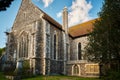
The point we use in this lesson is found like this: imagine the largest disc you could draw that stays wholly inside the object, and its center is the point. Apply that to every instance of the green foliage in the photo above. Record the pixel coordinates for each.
(9, 69)
(16, 72)
(4, 4)
(104, 41)
(26, 64)
(1, 51)
(2, 77)
(112, 75)
(26, 69)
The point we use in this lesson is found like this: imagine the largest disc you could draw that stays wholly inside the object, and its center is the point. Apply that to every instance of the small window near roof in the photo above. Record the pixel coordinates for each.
(55, 46)
(79, 51)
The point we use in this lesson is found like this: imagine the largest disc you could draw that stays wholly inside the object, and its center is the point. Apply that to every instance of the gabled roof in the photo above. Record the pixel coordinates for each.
(74, 31)
(82, 29)
(32, 12)
(50, 19)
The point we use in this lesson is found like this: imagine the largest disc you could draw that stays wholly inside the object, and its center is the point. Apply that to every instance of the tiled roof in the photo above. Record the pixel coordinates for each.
(82, 29)
(51, 20)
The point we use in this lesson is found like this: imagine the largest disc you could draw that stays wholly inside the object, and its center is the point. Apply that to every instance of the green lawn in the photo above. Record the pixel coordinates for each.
(52, 78)
(59, 78)
(2, 77)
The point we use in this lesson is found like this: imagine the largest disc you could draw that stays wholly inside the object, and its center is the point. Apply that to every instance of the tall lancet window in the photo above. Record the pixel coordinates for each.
(26, 46)
(79, 51)
(23, 45)
(54, 46)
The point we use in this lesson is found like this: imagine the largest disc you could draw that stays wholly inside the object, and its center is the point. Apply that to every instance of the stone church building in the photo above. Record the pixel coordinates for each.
(50, 48)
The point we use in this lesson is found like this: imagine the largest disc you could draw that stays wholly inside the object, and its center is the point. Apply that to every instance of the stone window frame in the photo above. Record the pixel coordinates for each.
(78, 69)
(23, 40)
(47, 30)
(55, 55)
(91, 69)
(79, 51)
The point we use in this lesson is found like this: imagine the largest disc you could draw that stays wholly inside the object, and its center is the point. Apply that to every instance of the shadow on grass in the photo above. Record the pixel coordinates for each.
(59, 78)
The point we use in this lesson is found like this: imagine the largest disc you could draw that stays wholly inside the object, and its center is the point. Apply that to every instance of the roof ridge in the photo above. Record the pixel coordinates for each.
(82, 29)
(48, 16)
(84, 22)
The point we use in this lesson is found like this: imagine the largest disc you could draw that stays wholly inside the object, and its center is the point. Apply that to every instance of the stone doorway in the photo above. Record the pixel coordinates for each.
(76, 70)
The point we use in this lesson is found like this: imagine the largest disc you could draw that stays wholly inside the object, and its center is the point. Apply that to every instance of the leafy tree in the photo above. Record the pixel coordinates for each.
(104, 41)
(4, 4)
(1, 51)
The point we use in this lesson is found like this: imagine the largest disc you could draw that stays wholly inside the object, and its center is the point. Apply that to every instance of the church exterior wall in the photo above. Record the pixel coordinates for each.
(54, 66)
(80, 67)
(40, 47)
(27, 14)
(74, 57)
(29, 20)
(81, 70)
(45, 45)
(30, 29)
(74, 47)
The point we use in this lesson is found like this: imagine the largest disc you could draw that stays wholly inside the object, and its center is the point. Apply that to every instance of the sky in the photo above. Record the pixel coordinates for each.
(78, 11)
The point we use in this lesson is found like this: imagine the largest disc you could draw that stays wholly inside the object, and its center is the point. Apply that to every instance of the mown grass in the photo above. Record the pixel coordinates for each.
(2, 77)
(59, 78)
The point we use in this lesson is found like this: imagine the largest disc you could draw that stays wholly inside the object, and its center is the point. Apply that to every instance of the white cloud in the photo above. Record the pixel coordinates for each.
(59, 14)
(79, 12)
(47, 2)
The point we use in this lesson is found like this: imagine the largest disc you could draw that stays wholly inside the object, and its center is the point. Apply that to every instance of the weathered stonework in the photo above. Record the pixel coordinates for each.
(74, 47)
(82, 62)
(46, 44)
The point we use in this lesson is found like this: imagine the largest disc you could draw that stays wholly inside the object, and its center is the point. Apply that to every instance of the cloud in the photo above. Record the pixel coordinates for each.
(59, 14)
(47, 2)
(79, 12)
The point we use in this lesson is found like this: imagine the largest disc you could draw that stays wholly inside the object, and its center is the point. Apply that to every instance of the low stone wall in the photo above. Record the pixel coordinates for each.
(13, 77)
(82, 68)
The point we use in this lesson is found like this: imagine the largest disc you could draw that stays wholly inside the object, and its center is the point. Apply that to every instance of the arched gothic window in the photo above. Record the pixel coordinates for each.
(23, 45)
(20, 47)
(79, 51)
(54, 46)
(75, 69)
(27, 44)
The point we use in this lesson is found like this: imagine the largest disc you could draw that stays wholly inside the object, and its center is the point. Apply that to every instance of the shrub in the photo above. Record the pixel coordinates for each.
(26, 72)
(9, 68)
(112, 75)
